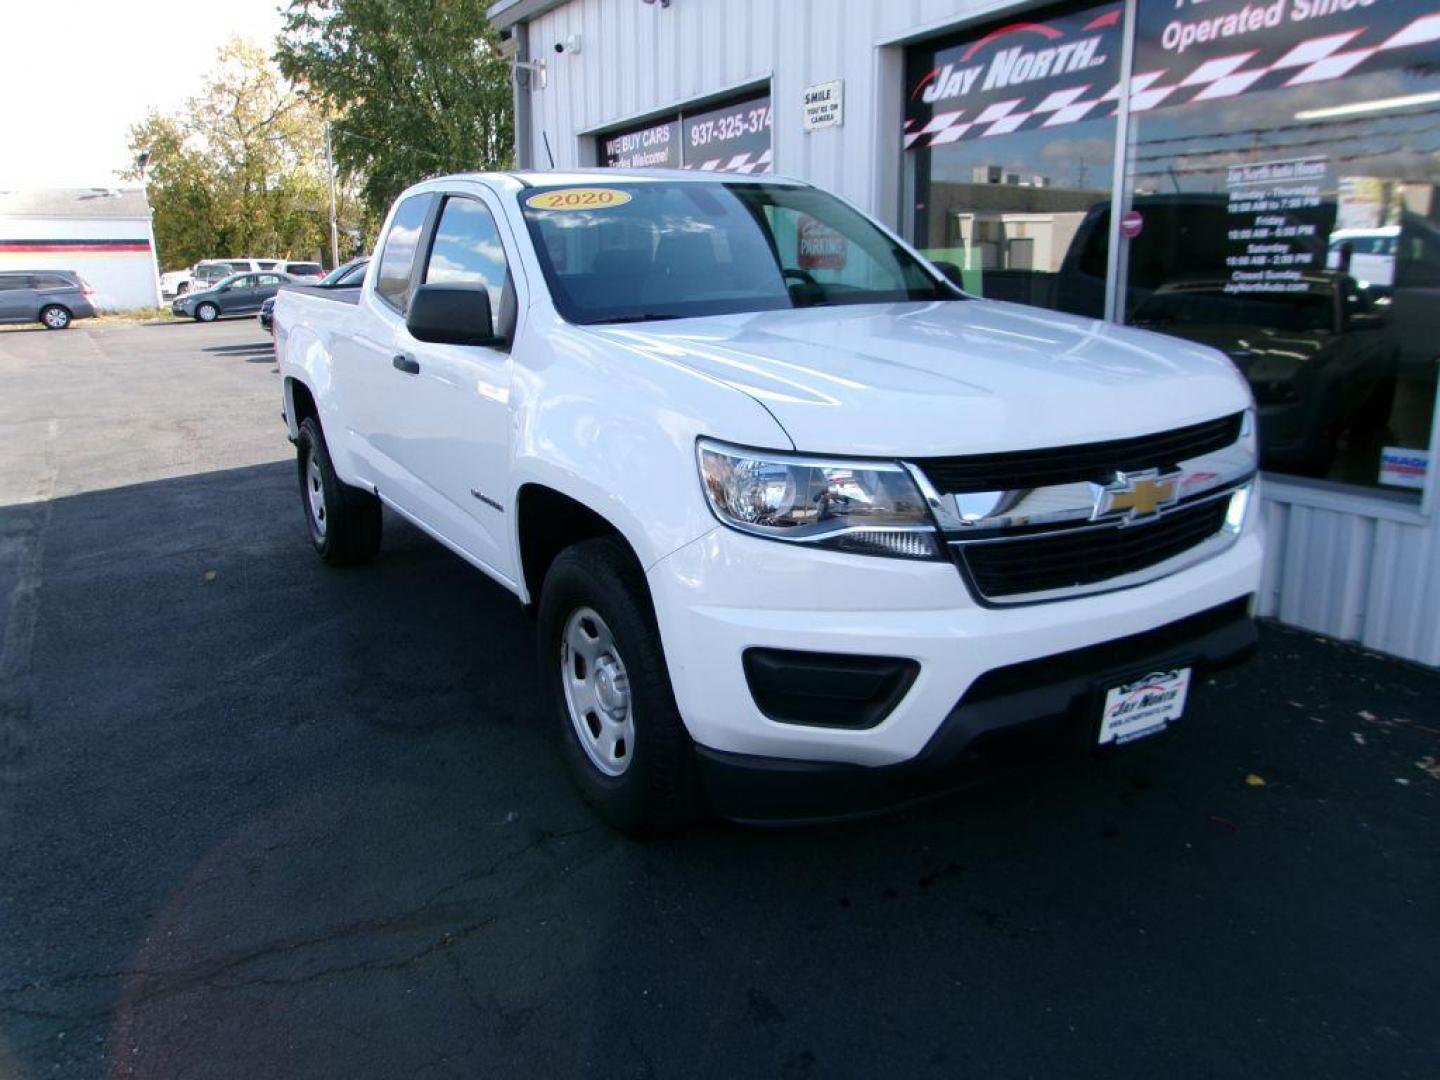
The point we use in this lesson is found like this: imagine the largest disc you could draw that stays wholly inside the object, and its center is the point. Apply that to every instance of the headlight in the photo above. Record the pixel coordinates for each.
(864, 507)
(1235, 513)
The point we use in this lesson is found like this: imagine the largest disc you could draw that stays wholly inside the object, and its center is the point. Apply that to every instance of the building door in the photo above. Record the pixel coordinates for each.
(1013, 120)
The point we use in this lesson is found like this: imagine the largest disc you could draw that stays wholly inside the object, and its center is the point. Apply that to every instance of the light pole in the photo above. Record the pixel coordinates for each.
(142, 164)
(330, 178)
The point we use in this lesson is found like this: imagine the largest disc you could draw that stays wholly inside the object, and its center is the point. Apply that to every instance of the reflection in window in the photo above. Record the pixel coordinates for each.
(1293, 223)
(467, 250)
(1010, 146)
(398, 258)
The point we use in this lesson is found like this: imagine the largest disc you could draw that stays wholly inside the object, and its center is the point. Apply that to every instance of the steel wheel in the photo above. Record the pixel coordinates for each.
(56, 318)
(315, 496)
(207, 313)
(597, 692)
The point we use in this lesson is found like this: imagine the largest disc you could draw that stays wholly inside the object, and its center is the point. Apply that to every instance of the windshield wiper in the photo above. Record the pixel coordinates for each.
(643, 316)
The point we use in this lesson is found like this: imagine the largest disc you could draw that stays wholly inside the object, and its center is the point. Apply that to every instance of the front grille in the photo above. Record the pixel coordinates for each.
(1069, 464)
(1085, 556)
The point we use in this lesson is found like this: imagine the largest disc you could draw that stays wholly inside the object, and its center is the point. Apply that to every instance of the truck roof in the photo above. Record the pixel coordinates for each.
(547, 177)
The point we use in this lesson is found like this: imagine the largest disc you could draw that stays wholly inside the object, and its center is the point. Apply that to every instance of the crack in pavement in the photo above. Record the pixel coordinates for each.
(178, 980)
(449, 938)
(429, 913)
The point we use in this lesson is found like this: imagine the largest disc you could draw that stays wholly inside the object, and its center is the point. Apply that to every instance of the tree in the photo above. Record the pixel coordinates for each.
(240, 170)
(419, 87)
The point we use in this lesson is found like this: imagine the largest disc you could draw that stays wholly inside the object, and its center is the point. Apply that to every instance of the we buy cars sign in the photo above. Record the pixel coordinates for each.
(1062, 70)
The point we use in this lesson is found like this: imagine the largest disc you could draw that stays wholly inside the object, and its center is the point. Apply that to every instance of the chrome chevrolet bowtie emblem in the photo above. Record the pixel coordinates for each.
(1137, 495)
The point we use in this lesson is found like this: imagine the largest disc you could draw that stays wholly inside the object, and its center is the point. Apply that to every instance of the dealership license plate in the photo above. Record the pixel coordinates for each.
(1145, 706)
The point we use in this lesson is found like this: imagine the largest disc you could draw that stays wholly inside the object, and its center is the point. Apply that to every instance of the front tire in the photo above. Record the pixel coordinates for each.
(622, 737)
(207, 312)
(344, 521)
(55, 317)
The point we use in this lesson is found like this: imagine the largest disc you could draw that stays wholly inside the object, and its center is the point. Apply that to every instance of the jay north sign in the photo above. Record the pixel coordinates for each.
(1032, 72)
(1017, 65)
(1045, 72)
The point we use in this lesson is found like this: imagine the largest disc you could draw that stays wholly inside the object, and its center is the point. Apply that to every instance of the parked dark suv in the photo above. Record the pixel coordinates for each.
(54, 298)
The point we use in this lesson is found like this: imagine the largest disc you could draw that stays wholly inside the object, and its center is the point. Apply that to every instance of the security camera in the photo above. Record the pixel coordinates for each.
(571, 45)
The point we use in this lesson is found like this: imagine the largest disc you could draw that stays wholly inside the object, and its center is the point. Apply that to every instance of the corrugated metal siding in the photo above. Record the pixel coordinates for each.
(696, 48)
(1350, 573)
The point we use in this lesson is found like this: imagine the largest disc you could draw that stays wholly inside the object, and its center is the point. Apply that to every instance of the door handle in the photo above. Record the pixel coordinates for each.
(407, 364)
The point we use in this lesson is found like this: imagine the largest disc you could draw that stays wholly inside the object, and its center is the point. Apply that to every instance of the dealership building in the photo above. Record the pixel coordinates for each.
(102, 234)
(1256, 175)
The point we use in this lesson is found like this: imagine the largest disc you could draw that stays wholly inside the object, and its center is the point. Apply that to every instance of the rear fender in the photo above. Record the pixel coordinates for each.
(305, 359)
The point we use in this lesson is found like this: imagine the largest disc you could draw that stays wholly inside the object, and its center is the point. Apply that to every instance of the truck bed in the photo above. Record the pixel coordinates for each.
(344, 294)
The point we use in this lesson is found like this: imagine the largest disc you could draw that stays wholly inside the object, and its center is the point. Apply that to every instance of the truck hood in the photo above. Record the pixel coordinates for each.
(969, 376)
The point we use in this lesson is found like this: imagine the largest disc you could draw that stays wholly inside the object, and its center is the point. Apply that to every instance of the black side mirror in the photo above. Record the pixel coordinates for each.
(451, 315)
(951, 271)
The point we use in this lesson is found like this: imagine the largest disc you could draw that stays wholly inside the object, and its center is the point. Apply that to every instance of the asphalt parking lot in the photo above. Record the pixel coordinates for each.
(263, 818)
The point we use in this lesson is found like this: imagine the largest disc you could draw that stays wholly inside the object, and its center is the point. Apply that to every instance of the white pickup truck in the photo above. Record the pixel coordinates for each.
(808, 531)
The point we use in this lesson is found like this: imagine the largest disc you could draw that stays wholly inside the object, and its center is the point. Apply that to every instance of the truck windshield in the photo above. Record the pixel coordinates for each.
(633, 252)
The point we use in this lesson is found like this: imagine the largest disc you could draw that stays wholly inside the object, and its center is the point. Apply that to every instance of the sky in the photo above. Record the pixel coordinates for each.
(98, 70)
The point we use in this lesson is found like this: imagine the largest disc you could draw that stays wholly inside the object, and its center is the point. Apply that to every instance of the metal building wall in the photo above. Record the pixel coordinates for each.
(1344, 564)
(1353, 567)
(637, 59)
(123, 280)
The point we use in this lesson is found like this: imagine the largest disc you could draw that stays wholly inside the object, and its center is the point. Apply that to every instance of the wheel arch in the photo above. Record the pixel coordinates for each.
(299, 403)
(548, 521)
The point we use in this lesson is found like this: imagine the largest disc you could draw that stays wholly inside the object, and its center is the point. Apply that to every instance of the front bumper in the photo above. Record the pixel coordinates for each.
(727, 592)
(1013, 714)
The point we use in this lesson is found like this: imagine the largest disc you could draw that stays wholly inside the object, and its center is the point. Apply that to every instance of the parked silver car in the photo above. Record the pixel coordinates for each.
(306, 270)
(238, 294)
(54, 298)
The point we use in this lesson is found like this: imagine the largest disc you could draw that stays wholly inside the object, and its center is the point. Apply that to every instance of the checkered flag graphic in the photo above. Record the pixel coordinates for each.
(1314, 60)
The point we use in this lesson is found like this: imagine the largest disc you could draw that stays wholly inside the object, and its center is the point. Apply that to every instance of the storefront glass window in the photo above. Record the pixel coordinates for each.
(733, 137)
(1010, 144)
(1283, 175)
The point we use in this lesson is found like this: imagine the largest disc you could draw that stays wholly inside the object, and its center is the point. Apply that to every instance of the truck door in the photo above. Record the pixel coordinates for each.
(370, 389)
(453, 434)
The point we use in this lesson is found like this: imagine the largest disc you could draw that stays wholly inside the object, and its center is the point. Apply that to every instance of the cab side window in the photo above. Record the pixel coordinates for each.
(398, 257)
(467, 251)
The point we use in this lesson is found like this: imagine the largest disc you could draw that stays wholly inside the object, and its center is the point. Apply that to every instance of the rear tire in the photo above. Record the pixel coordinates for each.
(55, 317)
(344, 521)
(207, 312)
(615, 684)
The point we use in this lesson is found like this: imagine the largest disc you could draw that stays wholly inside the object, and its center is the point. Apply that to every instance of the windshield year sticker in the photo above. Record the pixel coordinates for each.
(578, 198)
